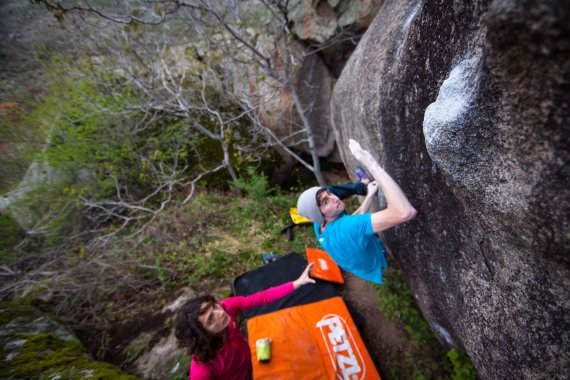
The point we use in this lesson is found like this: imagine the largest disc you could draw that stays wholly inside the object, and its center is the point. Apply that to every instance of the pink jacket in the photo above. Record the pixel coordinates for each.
(233, 361)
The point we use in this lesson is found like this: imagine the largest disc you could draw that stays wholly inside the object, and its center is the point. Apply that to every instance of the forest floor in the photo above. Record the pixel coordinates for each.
(381, 335)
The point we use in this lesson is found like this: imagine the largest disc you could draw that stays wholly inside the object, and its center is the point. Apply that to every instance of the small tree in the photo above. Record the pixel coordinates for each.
(132, 158)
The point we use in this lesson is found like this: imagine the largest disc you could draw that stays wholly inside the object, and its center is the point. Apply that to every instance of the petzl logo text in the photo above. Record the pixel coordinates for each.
(342, 348)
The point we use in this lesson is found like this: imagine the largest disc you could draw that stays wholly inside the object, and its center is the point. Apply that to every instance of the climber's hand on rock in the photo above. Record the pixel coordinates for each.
(360, 154)
(372, 187)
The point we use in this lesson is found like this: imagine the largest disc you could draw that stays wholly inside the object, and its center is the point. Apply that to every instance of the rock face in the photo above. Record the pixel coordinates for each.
(338, 21)
(336, 26)
(313, 83)
(319, 21)
(165, 359)
(35, 346)
(38, 174)
(466, 106)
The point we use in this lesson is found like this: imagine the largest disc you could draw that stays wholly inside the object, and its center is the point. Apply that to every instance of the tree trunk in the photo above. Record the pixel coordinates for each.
(310, 138)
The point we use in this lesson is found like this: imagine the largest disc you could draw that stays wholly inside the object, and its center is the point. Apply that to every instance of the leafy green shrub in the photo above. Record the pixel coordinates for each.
(97, 134)
(255, 185)
(93, 141)
(88, 130)
(462, 367)
(216, 266)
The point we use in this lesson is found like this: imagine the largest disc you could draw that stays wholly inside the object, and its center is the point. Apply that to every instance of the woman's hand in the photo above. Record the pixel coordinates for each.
(304, 278)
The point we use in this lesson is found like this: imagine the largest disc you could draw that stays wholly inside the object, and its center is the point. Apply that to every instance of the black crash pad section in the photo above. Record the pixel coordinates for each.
(284, 269)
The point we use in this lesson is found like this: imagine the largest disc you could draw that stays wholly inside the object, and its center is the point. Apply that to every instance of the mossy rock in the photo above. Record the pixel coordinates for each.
(36, 346)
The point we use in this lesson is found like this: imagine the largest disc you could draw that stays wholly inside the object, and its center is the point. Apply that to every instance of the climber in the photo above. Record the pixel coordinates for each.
(210, 333)
(351, 240)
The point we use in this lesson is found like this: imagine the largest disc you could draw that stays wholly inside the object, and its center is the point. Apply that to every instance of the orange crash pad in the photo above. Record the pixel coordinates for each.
(325, 268)
(313, 341)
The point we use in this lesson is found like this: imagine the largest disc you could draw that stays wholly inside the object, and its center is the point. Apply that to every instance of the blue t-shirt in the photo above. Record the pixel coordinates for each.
(352, 244)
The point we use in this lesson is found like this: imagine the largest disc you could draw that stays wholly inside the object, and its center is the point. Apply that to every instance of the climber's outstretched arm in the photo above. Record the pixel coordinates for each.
(399, 209)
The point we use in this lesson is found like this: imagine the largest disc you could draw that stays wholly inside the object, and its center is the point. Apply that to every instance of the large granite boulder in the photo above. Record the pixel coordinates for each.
(313, 84)
(466, 105)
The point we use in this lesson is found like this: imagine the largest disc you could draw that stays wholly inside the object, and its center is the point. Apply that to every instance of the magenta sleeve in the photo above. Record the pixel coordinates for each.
(199, 371)
(241, 303)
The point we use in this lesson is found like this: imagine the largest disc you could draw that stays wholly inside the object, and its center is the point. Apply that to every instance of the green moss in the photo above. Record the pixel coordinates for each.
(30, 355)
(9, 311)
(44, 356)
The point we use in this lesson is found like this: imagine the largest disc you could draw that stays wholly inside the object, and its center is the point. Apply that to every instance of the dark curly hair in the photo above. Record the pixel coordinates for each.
(190, 333)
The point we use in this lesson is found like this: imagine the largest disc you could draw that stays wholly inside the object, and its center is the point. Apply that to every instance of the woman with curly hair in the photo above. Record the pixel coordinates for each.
(210, 332)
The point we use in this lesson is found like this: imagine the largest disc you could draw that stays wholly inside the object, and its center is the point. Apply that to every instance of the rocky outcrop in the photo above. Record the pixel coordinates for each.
(38, 174)
(336, 25)
(165, 359)
(466, 105)
(35, 346)
(319, 21)
(313, 84)
(40, 177)
(273, 98)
